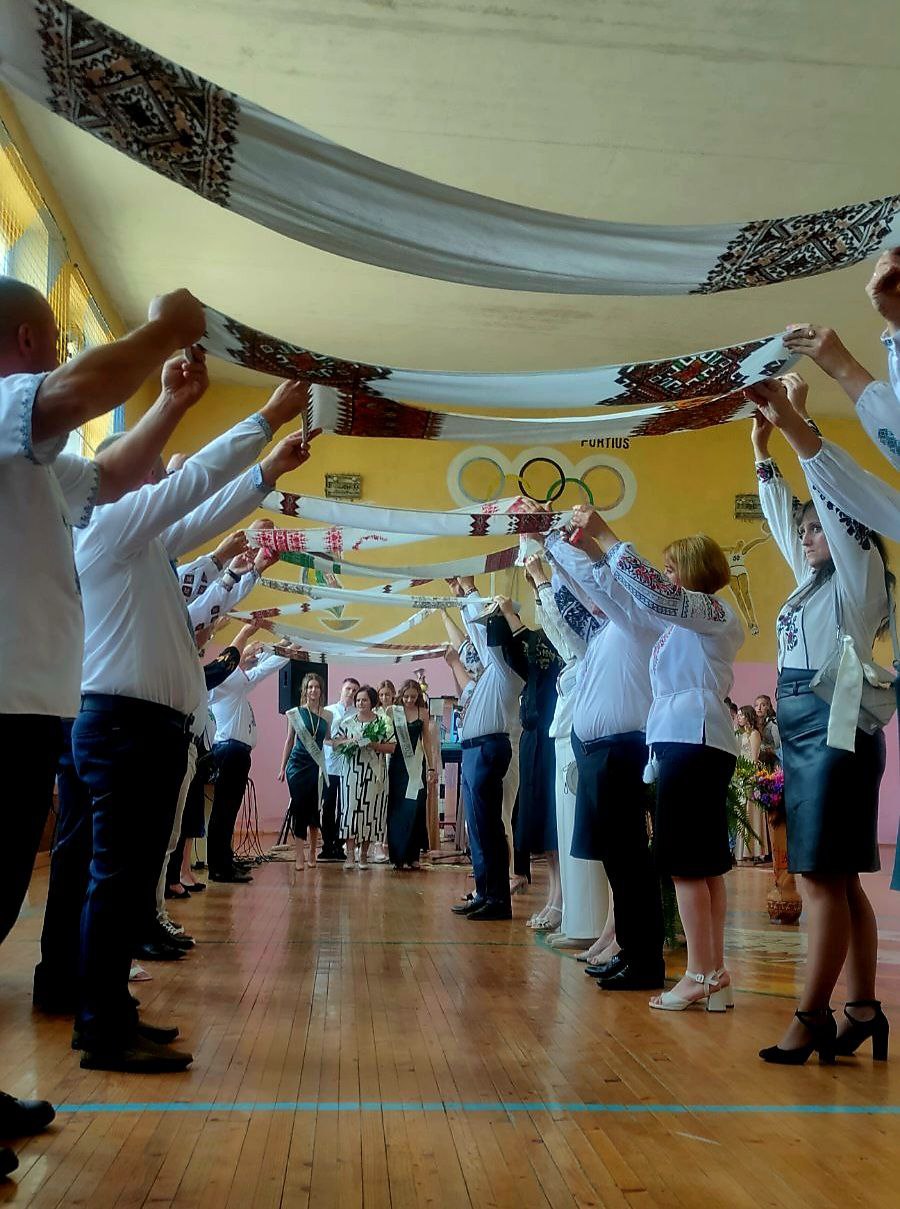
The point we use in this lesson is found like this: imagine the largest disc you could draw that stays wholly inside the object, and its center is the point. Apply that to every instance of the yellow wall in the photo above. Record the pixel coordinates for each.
(684, 483)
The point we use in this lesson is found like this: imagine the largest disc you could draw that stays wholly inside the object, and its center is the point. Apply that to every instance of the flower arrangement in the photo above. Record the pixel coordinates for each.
(769, 791)
(375, 731)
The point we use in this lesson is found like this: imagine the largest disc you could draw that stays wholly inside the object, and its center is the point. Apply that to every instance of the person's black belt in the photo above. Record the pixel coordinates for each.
(482, 739)
(134, 707)
(592, 745)
(237, 743)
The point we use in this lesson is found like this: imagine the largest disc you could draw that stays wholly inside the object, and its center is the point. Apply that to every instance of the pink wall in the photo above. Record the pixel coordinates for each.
(273, 797)
(750, 680)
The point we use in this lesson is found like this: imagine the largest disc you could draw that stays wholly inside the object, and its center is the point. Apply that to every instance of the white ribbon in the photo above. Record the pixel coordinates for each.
(414, 767)
(477, 564)
(383, 595)
(487, 522)
(310, 746)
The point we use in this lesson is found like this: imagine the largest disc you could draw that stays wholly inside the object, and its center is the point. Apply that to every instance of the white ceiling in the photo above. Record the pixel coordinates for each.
(665, 111)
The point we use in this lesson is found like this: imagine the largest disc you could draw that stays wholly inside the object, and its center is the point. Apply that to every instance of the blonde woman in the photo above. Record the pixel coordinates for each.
(303, 764)
(409, 773)
(690, 733)
(387, 697)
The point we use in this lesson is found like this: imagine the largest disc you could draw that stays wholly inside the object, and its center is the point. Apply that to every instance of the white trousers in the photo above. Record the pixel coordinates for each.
(585, 887)
(176, 826)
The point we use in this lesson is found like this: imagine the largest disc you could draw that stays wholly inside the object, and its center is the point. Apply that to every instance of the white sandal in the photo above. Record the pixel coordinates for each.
(712, 1000)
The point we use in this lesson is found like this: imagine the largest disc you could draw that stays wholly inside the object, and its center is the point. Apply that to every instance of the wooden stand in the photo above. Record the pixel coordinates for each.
(783, 901)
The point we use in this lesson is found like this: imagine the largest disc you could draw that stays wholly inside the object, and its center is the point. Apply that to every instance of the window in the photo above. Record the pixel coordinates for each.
(33, 250)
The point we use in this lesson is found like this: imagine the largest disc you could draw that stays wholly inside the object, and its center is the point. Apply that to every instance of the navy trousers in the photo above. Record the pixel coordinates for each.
(232, 762)
(32, 743)
(131, 755)
(484, 765)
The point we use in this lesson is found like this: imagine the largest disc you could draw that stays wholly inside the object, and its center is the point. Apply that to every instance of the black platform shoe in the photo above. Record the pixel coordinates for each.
(824, 1038)
(860, 1030)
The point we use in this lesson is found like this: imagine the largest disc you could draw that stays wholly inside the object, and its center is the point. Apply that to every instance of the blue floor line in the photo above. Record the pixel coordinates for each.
(473, 1106)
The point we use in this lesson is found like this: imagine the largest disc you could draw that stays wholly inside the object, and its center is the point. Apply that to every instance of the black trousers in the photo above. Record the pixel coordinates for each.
(232, 762)
(484, 765)
(56, 975)
(612, 804)
(31, 748)
(132, 757)
(331, 836)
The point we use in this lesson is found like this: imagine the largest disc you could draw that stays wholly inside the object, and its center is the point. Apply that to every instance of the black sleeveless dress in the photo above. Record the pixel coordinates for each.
(406, 823)
(302, 774)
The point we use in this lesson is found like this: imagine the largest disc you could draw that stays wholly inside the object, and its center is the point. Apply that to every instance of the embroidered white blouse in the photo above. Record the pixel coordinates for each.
(691, 670)
(612, 691)
(493, 704)
(878, 407)
(230, 705)
(807, 626)
(861, 495)
(569, 646)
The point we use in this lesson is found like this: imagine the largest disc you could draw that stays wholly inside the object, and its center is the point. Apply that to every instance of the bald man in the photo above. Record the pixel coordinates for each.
(44, 493)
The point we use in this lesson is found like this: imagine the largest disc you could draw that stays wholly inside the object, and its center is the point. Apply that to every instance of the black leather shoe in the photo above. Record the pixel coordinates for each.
(607, 968)
(158, 952)
(230, 875)
(158, 1033)
(9, 1161)
(177, 940)
(60, 1003)
(21, 1117)
(468, 906)
(489, 910)
(634, 976)
(141, 1057)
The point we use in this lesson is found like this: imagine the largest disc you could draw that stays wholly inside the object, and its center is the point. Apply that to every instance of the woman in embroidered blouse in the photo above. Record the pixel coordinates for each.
(689, 731)
(363, 778)
(303, 764)
(408, 777)
(831, 792)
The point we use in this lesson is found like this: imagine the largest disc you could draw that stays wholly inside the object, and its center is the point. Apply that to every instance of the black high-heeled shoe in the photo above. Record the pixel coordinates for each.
(822, 1026)
(860, 1030)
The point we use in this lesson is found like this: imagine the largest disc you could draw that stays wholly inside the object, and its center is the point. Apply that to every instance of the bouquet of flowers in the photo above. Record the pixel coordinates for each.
(769, 790)
(375, 731)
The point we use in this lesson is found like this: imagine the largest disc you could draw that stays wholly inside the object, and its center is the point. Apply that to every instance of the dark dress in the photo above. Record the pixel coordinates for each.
(406, 822)
(303, 777)
(535, 829)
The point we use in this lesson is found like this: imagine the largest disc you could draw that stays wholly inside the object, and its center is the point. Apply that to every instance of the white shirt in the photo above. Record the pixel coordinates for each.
(196, 576)
(43, 494)
(807, 625)
(221, 597)
(612, 689)
(139, 640)
(861, 495)
(569, 647)
(495, 697)
(691, 667)
(878, 407)
(229, 704)
(333, 759)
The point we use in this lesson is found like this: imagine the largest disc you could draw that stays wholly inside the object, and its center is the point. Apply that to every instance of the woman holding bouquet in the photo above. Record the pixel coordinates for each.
(364, 740)
(409, 774)
(747, 848)
(303, 763)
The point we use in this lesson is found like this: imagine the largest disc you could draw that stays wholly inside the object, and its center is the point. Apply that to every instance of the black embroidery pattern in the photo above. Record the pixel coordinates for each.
(781, 249)
(860, 534)
(156, 112)
(258, 351)
(716, 372)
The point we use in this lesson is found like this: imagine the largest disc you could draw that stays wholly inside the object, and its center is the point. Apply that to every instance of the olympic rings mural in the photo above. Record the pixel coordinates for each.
(482, 473)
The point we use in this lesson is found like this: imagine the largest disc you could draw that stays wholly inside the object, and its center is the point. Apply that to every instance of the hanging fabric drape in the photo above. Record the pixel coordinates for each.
(366, 416)
(477, 564)
(287, 178)
(395, 520)
(385, 594)
(678, 379)
(389, 652)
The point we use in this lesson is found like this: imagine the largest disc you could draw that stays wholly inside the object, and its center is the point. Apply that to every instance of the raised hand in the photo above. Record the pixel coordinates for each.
(228, 547)
(534, 569)
(289, 454)
(286, 403)
(181, 313)
(771, 399)
(240, 564)
(883, 287)
(797, 391)
(587, 519)
(184, 381)
(265, 559)
(820, 344)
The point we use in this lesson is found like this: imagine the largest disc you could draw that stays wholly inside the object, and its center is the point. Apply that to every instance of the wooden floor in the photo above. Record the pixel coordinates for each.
(356, 1045)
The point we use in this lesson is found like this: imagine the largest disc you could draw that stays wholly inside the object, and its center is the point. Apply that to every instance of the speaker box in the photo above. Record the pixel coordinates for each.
(290, 677)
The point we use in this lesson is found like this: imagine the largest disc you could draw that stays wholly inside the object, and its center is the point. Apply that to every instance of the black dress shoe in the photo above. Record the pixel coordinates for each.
(490, 910)
(230, 875)
(9, 1161)
(606, 968)
(60, 1003)
(140, 1057)
(21, 1117)
(168, 936)
(635, 976)
(468, 906)
(159, 1033)
(158, 952)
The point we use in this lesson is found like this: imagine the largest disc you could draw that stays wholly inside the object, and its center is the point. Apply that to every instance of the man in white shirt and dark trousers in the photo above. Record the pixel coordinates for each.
(142, 684)
(43, 494)
(486, 753)
(232, 754)
(331, 813)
